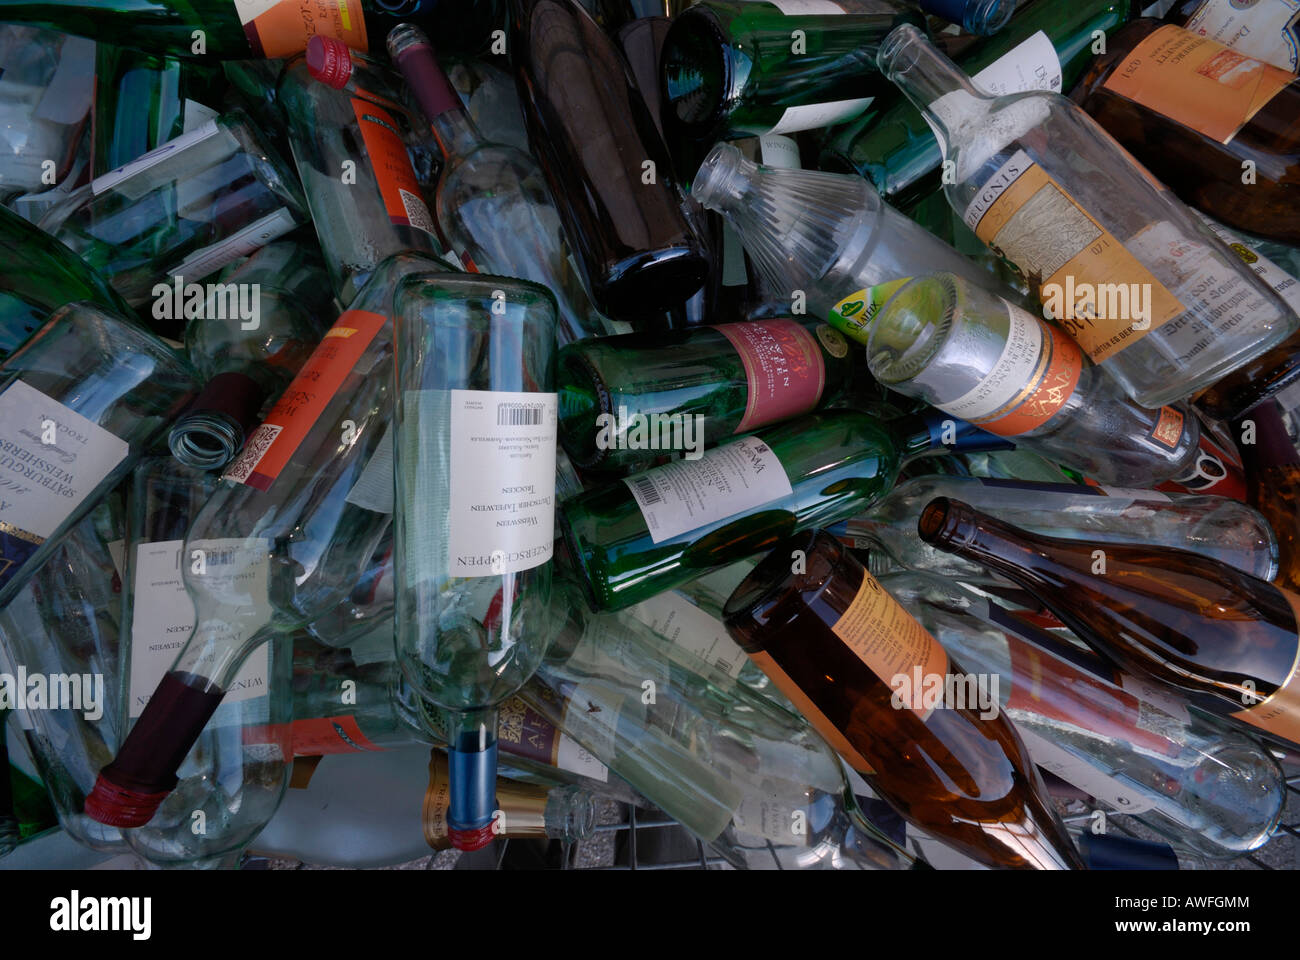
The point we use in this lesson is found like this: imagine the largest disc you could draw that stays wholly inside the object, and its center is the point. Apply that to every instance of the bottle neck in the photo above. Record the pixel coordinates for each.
(921, 70)
(1273, 445)
(960, 529)
(451, 124)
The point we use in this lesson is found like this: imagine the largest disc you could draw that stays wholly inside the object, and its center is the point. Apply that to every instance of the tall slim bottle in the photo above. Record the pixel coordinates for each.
(833, 640)
(1133, 276)
(1182, 619)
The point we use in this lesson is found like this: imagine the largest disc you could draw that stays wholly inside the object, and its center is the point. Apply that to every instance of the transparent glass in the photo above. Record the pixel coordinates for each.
(1217, 527)
(981, 134)
(944, 340)
(185, 210)
(1196, 781)
(474, 433)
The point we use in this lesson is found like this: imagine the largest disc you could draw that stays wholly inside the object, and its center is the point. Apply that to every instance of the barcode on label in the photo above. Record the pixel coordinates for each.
(722, 665)
(646, 491)
(512, 416)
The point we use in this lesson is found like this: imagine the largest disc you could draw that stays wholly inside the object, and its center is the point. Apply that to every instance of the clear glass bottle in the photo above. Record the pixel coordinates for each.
(828, 236)
(980, 358)
(183, 211)
(350, 142)
(1122, 264)
(492, 201)
(474, 441)
(286, 536)
(248, 354)
(1216, 527)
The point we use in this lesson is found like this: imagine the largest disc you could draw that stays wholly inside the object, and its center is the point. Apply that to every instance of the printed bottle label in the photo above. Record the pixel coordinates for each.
(1027, 217)
(392, 166)
(1081, 773)
(852, 316)
(1279, 714)
(890, 641)
(692, 630)
(270, 446)
(1032, 64)
(814, 116)
(726, 481)
(768, 813)
(318, 736)
(1268, 31)
(374, 488)
(162, 614)
(51, 459)
(1168, 428)
(112, 178)
(1196, 82)
(1284, 285)
(784, 370)
(241, 243)
(1035, 375)
(592, 713)
(523, 732)
(501, 515)
(808, 8)
(281, 28)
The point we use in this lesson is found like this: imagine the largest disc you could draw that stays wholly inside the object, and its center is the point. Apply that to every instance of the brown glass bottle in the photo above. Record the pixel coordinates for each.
(1273, 487)
(1149, 93)
(1179, 617)
(832, 640)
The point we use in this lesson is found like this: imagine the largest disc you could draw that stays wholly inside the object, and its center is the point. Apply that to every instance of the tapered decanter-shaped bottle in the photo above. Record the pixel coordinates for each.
(835, 642)
(827, 235)
(1180, 618)
(492, 202)
(291, 528)
(1140, 283)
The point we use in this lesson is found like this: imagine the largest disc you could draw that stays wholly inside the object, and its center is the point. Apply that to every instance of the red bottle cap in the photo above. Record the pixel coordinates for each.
(120, 807)
(471, 839)
(329, 61)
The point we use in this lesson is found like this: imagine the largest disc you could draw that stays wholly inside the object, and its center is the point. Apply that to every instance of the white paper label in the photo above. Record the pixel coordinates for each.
(502, 508)
(251, 9)
(374, 488)
(808, 8)
(1284, 285)
(691, 629)
(592, 713)
(1153, 693)
(1030, 65)
(777, 151)
(1081, 774)
(813, 116)
(689, 494)
(195, 115)
(117, 553)
(111, 179)
(770, 815)
(162, 618)
(572, 756)
(68, 95)
(241, 243)
(1267, 30)
(1013, 371)
(51, 458)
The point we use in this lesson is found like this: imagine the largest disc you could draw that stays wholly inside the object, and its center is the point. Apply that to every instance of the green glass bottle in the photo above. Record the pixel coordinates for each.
(38, 274)
(658, 529)
(893, 146)
(705, 383)
(732, 68)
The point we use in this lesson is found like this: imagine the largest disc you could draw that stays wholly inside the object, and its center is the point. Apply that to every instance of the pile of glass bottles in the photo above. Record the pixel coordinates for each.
(517, 403)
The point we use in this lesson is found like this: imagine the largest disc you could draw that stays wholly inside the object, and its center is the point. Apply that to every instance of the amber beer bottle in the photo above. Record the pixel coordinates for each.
(834, 641)
(1178, 617)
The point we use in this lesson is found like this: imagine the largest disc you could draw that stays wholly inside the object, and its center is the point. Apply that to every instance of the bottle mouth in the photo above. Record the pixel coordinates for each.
(720, 177)
(945, 522)
(893, 57)
(118, 806)
(911, 328)
(205, 442)
(405, 37)
(696, 74)
(329, 61)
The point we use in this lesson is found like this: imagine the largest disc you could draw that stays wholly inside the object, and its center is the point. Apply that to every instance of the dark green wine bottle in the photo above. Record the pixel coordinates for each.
(892, 145)
(703, 384)
(658, 529)
(733, 68)
(38, 274)
(222, 29)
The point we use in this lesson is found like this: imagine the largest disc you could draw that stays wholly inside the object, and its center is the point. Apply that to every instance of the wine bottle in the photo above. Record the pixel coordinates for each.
(657, 529)
(1042, 184)
(753, 781)
(304, 506)
(1214, 125)
(1194, 780)
(1268, 30)
(835, 643)
(824, 238)
(1182, 619)
(1045, 46)
(349, 134)
(243, 360)
(184, 210)
(614, 189)
(218, 28)
(38, 274)
(142, 101)
(474, 434)
(980, 358)
(980, 17)
(492, 202)
(1273, 485)
(708, 383)
(733, 68)
(44, 102)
